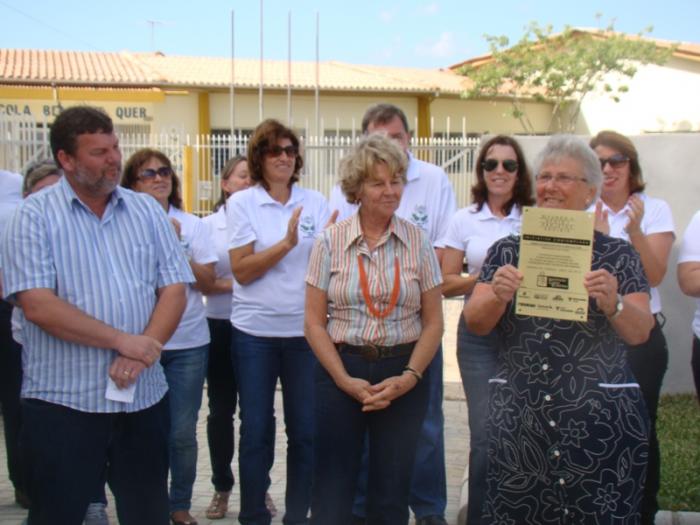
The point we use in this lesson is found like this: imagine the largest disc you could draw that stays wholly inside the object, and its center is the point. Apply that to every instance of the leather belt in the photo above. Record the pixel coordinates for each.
(372, 352)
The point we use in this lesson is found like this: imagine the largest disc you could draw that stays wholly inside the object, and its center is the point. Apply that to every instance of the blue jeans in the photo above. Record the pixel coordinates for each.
(222, 392)
(258, 363)
(478, 362)
(649, 362)
(340, 428)
(184, 371)
(65, 453)
(695, 364)
(429, 485)
(10, 386)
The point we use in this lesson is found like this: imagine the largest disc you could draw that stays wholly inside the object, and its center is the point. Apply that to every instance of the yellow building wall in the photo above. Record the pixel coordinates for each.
(177, 115)
(344, 112)
(482, 116)
(191, 112)
(337, 110)
(43, 104)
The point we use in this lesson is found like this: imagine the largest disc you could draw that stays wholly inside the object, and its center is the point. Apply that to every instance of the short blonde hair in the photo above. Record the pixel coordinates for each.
(359, 166)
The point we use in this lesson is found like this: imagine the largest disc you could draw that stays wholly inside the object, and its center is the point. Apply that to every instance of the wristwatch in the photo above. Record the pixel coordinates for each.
(619, 305)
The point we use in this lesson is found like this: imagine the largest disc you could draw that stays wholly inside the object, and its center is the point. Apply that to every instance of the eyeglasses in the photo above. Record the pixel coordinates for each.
(616, 161)
(276, 151)
(150, 174)
(510, 165)
(561, 179)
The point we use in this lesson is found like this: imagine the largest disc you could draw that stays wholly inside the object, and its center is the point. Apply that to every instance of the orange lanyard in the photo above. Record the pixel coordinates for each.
(381, 314)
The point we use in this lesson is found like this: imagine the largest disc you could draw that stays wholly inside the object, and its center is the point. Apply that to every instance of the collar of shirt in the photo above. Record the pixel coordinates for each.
(71, 198)
(485, 214)
(413, 170)
(262, 197)
(396, 228)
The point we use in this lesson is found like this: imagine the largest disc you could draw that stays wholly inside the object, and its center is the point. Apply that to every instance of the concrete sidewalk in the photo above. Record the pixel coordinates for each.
(456, 452)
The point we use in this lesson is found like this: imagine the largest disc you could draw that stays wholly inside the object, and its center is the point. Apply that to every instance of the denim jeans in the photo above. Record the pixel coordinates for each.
(258, 363)
(695, 364)
(65, 453)
(10, 386)
(429, 485)
(222, 392)
(478, 362)
(184, 371)
(340, 428)
(649, 362)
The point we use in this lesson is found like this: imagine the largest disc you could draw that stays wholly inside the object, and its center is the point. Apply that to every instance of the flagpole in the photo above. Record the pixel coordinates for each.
(260, 87)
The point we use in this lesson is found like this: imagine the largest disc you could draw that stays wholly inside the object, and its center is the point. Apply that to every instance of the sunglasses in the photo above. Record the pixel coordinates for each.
(276, 151)
(150, 174)
(616, 161)
(510, 165)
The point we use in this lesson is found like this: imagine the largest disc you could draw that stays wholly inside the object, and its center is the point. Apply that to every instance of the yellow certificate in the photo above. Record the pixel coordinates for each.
(556, 247)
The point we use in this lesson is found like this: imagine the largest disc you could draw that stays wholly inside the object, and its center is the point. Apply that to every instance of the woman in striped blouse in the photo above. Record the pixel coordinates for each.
(374, 320)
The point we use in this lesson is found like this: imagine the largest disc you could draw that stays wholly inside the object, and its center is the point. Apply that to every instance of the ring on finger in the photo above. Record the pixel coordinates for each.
(127, 372)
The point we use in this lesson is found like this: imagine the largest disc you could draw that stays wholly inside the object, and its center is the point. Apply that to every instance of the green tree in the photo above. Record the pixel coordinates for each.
(559, 68)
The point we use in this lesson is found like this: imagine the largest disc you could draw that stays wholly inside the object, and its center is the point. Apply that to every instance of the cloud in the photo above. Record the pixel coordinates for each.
(443, 47)
(430, 9)
(392, 49)
(387, 15)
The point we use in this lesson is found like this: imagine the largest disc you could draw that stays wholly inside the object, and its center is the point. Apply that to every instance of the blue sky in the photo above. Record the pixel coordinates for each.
(385, 32)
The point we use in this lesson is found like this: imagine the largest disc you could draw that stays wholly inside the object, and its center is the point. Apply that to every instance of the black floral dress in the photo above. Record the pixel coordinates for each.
(567, 424)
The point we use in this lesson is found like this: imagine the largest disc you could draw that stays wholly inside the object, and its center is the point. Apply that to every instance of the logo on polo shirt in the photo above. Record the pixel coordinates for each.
(307, 227)
(419, 217)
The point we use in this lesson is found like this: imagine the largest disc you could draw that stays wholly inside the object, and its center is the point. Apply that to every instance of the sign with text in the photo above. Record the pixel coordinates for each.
(555, 254)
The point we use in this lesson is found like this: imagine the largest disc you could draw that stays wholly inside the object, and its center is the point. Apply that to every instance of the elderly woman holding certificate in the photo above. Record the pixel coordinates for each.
(374, 320)
(567, 427)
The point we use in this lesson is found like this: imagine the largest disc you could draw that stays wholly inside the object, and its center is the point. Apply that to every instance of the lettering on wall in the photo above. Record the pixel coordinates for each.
(119, 113)
(131, 112)
(15, 109)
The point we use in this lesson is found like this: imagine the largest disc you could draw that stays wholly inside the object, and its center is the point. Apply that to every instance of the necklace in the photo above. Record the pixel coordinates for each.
(381, 314)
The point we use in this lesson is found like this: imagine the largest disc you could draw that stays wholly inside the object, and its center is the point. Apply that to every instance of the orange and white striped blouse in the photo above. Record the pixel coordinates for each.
(333, 267)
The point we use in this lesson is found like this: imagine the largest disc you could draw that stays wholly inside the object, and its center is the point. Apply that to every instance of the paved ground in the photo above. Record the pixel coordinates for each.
(456, 450)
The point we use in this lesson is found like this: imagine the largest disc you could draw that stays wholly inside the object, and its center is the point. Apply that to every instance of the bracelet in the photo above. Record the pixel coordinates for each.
(415, 373)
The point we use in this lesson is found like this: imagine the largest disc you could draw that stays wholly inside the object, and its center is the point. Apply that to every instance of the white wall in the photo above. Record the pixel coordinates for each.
(660, 99)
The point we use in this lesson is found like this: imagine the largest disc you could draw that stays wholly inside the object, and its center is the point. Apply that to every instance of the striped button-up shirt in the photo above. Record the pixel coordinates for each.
(333, 267)
(108, 267)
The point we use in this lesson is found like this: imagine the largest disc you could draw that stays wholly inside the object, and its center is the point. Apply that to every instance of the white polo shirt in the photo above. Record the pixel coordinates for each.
(657, 219)
(473, 232)
(690, 252)
(193, 330)
(218, 306)
(273, 305)
(428, 200)
(10, 196)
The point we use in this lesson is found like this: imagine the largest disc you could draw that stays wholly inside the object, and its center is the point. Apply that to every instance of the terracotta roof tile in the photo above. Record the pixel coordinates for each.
(73, 67)
(156, 69)
(687, 50)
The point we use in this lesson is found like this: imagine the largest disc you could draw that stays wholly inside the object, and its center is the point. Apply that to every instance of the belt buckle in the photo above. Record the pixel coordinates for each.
(370, 352)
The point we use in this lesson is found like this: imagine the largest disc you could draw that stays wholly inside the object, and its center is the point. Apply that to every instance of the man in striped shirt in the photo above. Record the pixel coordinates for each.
(99, 275)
